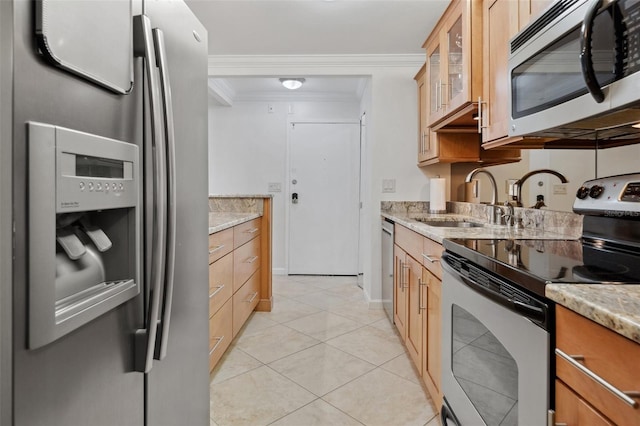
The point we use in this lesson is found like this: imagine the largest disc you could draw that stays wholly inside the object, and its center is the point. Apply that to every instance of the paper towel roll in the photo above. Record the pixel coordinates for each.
(437, 195)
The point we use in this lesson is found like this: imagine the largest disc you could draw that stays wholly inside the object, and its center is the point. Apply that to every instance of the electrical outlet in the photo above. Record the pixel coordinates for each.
(560, 189)
(510, 187)
(274, 187)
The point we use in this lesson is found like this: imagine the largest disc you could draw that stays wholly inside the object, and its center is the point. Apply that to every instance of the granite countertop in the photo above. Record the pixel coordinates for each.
(219, 221)
(241, 196)
(487, 231)
(616, 307)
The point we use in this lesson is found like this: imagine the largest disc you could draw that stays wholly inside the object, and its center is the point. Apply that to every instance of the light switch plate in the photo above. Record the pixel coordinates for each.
(388, 185)
(274, 187)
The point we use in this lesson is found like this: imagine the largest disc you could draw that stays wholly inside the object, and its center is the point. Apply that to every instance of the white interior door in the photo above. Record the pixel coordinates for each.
(324, 162)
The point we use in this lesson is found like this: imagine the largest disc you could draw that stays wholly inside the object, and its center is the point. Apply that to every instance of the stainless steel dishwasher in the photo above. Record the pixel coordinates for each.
(387, 267)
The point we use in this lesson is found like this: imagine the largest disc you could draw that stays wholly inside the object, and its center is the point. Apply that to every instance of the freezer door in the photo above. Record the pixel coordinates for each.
(177, 388)
(85, 377)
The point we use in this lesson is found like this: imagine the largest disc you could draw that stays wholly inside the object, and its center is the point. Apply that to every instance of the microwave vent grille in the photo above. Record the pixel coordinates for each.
(557, 9)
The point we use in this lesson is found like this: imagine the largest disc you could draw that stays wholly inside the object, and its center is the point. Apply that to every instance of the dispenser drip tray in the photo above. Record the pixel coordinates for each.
(92, 296)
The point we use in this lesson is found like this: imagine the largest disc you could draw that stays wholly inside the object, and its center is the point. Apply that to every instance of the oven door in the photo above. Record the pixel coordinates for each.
(583, 63)
(495, 360)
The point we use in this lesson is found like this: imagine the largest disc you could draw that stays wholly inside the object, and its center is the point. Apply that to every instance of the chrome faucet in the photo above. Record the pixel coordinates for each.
(518, 184)
(470, 176)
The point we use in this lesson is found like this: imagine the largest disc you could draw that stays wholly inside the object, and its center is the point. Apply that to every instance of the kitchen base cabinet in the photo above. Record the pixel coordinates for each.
(239, 279)
(417, 306)
(586, 350)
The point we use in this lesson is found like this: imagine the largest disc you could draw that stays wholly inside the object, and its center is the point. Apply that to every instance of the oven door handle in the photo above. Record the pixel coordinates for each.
(586, 59)
(533, 313)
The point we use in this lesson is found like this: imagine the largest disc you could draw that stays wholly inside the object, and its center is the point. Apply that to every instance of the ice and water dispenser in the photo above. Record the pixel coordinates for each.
(84, 228)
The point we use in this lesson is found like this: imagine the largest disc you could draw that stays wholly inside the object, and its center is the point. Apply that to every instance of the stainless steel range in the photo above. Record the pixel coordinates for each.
(497, 323)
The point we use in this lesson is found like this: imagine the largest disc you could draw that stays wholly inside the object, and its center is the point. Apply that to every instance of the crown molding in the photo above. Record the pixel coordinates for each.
(226, 65)
(221, 91)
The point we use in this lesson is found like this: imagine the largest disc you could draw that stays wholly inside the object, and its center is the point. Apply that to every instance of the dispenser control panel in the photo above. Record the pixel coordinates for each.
(94, 173)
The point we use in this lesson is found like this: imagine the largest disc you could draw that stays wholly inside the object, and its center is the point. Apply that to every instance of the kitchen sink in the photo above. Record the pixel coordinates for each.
(449, 223)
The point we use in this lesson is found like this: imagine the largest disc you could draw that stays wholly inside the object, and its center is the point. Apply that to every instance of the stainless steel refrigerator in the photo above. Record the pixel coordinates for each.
(103, 213)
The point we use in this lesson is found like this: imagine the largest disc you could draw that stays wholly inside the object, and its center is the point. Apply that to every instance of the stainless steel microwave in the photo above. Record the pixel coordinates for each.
(574, 72)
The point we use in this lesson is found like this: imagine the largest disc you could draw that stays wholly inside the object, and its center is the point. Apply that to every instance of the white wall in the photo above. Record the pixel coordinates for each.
(247, 150)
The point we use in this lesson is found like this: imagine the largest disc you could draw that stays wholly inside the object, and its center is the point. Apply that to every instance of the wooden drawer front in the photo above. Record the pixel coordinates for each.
(430, 256)
(245, 232)
(573, 410)
(220, 282)
(246, 261)
(220, 333)
(409, 241)
(245, 301)
(610, 356)
(220, 244)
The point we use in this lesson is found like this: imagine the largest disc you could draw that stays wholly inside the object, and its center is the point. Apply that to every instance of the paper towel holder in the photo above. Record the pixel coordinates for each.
(437, 197)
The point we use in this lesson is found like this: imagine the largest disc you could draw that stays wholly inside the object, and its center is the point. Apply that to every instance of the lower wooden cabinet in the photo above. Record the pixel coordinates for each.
(590, 357)
(220, 333)
(239, 280)
(417, 306)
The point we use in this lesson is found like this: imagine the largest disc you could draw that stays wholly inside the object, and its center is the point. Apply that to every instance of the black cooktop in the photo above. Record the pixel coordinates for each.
(534, 263)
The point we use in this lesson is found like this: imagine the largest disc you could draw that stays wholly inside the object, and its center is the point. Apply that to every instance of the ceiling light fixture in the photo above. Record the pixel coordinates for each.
(292, 83)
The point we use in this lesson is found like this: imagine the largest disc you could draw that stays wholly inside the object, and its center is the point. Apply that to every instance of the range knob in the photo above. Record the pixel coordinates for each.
(596, 191)
(582, 193)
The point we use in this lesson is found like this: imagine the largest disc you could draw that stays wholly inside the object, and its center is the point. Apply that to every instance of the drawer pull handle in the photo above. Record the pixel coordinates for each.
(431, 259)
(253, 296)
(219, 340)
(215, 249)
(252, 259)
(218, 288)
(624, 396)
(420, 285)
(252, 230)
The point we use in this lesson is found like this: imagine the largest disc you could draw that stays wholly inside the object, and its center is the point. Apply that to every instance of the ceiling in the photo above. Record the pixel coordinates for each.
(311, 27)
(317, 27)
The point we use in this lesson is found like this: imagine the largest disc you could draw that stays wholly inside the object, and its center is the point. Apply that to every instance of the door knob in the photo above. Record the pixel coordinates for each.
(294, 198)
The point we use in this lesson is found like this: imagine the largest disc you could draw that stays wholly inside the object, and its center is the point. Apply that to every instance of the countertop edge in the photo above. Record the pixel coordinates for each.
(615, 306)
(229, 220)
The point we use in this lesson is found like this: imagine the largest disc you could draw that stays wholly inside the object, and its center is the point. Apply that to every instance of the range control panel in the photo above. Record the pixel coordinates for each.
(610, 196)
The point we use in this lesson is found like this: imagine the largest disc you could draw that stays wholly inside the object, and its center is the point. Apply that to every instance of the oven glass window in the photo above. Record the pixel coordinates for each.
(554, 74)
(485, 370)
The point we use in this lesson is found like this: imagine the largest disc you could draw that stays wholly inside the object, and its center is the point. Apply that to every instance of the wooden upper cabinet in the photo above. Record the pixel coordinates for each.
(500, 24)
(530, 9)
(502, 19)
(454, 64)
(423, 130)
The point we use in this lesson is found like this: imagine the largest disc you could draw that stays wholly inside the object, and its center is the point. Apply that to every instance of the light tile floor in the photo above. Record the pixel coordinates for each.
(320, 358)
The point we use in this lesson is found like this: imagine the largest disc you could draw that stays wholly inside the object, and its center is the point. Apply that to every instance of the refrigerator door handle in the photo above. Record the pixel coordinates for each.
(165, 86)
(145, 338)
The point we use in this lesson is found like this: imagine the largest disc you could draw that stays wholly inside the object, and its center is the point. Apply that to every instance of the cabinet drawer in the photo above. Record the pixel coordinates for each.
(246, 231)
(220, 244)
(573, 410)
(244, 301)
(220, 333)
(246, 260)
(608, 355)
(430, 256)
(220, 282)
(409, 241)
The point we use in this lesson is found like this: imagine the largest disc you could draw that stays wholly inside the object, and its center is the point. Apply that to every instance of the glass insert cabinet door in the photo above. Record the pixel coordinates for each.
(435, 84)
(455, 70)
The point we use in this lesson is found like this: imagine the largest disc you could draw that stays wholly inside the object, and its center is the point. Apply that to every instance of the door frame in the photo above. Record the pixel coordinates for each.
(287, 213)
